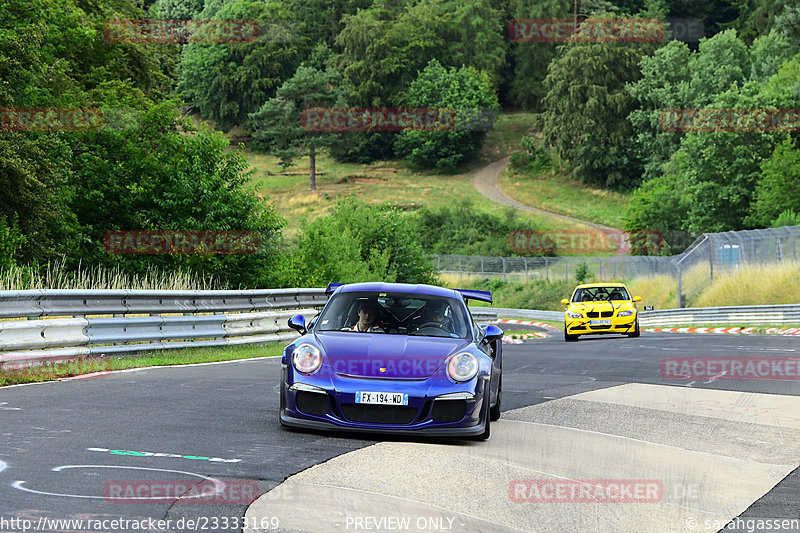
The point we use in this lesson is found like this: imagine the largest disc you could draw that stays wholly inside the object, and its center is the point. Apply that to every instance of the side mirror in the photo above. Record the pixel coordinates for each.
(564, 302)
(298, 322)
(637, 298)
(491, 333)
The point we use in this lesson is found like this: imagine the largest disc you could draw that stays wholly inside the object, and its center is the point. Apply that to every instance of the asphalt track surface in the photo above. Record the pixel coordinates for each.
(63, 444)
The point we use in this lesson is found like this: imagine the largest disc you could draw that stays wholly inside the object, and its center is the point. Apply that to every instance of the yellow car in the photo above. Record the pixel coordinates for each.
(597, 308)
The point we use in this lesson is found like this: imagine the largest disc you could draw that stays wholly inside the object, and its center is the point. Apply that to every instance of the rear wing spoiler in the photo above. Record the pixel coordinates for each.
(469, 294)
(332, 287)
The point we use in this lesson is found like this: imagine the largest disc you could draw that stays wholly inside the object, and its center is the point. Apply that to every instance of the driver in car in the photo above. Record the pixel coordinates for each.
(435, 317)
(367, 313)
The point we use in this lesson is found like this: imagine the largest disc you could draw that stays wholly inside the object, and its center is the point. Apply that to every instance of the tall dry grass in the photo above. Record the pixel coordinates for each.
(753, 285)
(56, 276)
(658, 291)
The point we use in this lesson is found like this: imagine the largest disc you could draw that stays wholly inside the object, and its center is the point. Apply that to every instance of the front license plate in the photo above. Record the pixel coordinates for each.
(382, 398)
(599, 322)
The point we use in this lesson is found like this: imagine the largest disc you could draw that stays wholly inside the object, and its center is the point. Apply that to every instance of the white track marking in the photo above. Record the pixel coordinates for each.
(219, 486)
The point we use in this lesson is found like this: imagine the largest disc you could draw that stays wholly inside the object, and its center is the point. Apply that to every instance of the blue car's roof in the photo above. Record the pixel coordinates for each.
(430, 290)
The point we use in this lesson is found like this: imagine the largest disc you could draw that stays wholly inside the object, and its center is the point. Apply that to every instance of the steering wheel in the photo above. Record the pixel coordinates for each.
(431, 325)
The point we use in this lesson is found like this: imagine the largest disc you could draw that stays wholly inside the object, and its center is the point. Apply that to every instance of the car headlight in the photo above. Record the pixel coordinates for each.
(462, 367)
(306, 358)
(625, 313)
(574, 315)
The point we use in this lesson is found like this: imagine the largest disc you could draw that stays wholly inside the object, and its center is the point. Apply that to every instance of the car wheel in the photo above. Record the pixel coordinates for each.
(636, 331)
(568, 337)
(494, 412)
(487, 427)
(282, 402)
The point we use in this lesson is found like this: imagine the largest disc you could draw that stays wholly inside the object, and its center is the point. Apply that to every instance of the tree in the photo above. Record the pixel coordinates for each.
(778, 189)
(277, 126)
(675, 78)
(176, 9)
(227, 81)
(462, 90)
(163, 174)
(756, 17)
(585, 111)
(358, 242)
(721, 169)
(788, 23)
(382, 50)
(530, 60)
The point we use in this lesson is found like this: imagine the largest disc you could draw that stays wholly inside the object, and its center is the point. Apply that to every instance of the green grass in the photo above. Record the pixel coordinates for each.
(90, 365)
(557, 193)
(505, 138)
(388, 182)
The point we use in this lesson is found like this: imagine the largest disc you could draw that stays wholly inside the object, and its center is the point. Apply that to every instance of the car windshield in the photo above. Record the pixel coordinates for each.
(595, 294)
(395, 314)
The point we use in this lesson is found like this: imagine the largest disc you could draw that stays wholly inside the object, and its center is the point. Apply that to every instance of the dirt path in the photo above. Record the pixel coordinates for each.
(485, 181)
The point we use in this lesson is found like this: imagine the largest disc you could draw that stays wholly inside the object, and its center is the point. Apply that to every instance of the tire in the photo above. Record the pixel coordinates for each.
(568, 337)
(636, 331)
(487, 431)
(494, 412)
(283, 401)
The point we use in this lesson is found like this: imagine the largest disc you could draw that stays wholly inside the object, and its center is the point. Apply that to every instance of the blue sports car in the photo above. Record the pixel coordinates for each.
(394, 358)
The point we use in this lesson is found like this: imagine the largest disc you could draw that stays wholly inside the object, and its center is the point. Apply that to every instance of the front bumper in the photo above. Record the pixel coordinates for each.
(582, 326)
(334, 408)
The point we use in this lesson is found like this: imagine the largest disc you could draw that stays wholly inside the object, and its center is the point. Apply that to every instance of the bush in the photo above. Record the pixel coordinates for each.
(542, 295)
(11, 241)
(463, 90)
(520, 161)
(787, 218)
(582, 273)
(463, 229)
(358, 242)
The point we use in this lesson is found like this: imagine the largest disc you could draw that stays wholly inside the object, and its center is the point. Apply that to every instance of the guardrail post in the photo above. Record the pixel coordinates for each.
(680, 296)
(460, 272)
(482, 275)
(525, 259)
(504, 268)
(566, 270)
(546, 269)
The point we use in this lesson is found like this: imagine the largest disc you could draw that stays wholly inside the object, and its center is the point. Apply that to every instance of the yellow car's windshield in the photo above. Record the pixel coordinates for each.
(594, 294)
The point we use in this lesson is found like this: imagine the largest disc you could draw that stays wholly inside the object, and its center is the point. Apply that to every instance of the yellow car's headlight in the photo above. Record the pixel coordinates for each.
(629, 312)
(574, 315)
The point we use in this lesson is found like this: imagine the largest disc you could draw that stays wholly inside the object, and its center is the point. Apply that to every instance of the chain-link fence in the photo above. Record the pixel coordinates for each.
(709, 255)
(549, 268)
(720, 253)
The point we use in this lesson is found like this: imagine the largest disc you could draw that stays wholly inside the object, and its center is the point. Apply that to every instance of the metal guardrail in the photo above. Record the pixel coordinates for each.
(767, 315)
(527, 313)
(106, 322)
